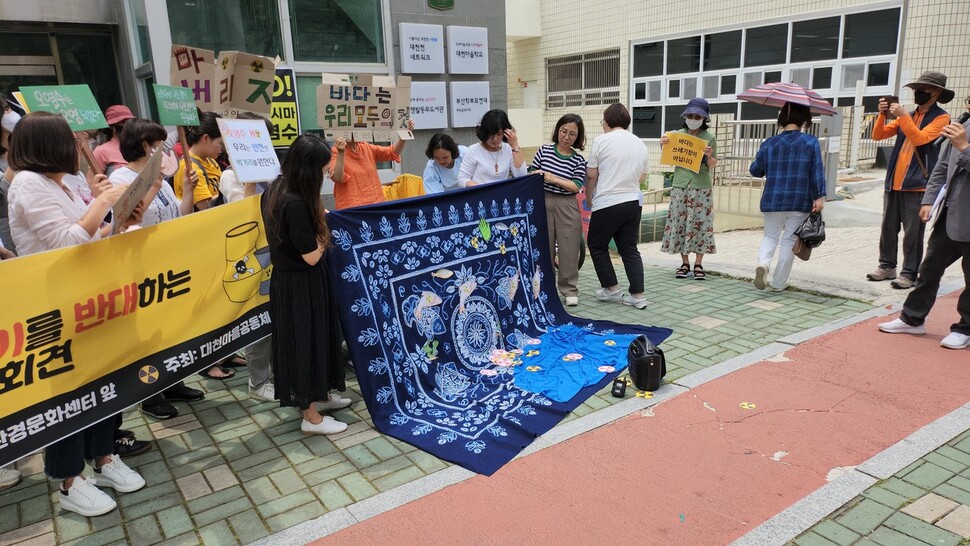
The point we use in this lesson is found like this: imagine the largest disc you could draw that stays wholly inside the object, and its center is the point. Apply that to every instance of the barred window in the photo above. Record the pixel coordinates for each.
(587, 79)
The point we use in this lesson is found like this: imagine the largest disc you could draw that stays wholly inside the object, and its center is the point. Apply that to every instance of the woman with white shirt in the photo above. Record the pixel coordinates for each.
(46, 214)
(496, 156)
(444, 164)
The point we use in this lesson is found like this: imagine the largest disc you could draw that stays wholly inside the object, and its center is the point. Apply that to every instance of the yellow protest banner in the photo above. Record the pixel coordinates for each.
(286, 108)
(684, 151)
(89, 330)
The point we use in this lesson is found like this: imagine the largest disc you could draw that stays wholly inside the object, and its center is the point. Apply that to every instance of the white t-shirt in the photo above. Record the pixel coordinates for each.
(483, 166)
(164, 207)
(622, 159)
(43, 216)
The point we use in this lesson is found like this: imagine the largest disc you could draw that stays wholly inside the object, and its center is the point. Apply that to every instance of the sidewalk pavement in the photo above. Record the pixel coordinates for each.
(231, 470)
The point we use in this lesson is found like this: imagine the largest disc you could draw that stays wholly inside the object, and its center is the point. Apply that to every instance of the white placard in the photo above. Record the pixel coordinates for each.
(422, 49)
(468, 50)
(429, 105)
(250, 149)
(469, 102)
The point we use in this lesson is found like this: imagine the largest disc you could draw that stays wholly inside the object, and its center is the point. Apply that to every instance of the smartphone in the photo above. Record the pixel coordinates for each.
(890, 100)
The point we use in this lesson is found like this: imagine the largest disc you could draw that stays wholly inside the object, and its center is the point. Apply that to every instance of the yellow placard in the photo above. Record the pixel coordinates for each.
(684, 151)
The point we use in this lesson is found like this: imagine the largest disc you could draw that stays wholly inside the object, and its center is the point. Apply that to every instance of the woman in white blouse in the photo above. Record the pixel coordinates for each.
(496, 156)
(46, 214)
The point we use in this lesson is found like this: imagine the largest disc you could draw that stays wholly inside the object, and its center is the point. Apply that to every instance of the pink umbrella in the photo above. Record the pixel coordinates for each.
(777, 94)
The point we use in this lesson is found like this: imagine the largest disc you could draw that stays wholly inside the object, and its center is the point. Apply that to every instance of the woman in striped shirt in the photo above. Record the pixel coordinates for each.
(563, 172)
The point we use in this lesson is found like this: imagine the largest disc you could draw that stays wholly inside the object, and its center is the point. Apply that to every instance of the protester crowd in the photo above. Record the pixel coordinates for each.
(50, 201)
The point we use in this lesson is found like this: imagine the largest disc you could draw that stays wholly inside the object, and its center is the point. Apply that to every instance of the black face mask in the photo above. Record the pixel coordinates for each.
(922, 97)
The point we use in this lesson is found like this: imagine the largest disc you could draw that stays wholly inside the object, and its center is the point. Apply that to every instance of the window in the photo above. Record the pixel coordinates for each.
(852, 73)
(766, 45)
(722, 50)
(585, 80)
(648, 60)
(773, 76)
(252, 26)
(822, 78)
(815, 40)
(349, 31)
(646, 121)
(684, 55)
(712, 87)
(871, 33)
(878, 74)
(673, 89)
(641, 91)
(729, 83)
(801, 76)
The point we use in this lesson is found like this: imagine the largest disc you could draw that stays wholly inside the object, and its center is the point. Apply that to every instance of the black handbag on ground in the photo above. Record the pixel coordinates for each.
(812, 230)
(646, 364)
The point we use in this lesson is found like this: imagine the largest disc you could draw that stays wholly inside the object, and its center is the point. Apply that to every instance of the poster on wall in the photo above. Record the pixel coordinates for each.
(422, 49)
(285, 114)
(469, 102)
(467, 50)
(429, 105)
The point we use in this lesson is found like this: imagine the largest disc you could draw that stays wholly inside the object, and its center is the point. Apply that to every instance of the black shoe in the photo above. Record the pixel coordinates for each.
(160, 410)
(182, 392)
(122, 433)
(129, 447)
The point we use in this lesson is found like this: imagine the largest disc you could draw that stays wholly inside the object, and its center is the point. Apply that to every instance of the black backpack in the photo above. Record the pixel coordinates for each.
(646, 364)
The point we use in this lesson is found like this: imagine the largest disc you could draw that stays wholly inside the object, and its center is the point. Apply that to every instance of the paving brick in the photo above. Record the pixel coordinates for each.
(427, 462)
(217, 533)
(387, 467)
(902, 488)
(262, 470)
(357, 486)
(287, 481)
(332, 495)
(920, 530)
(928, 476)
(221, 511)
(188, 539)
(214, 499)
(297, 452)
(152, 506)
(957, 521)
(255, 459)
(953, 493)
(192, 456)
(359, 438)
(864, 516)
(235, 432)
(885, 536)
(930, 508)
(383, 449)
(143, 530)
(960, 481)
(233, 411)
(26, 532)
(108, 536)
(174, 521)
(193, 486)
(8, 518)
(885, 497)
(35, 509)
(296, 516)
(27, 490)
(361, 456)
(400, 477)
(261, 490)
(285, 503)
(320, 463)
(945, 462)
(836, 533)
(69, 526)
(248, 526)
(319, 445)
(812, 539)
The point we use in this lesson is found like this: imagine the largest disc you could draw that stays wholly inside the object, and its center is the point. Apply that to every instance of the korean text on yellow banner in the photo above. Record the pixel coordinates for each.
(286, 109)
(684, 151)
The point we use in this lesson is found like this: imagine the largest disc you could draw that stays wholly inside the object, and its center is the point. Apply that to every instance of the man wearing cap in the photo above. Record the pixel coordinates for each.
(109, 153)
(948, 200)
(910, 165)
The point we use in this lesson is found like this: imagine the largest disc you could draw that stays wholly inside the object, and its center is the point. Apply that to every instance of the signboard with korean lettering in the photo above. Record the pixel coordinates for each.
(684, 151)
(244, 83)
(250, 149)
(137, 190)
(429, 105)
(75, 102)
(469, 102)
(87, 331)
(467, 50)
(422, 49)
(285, 114)
(195, 68)
(364, 108)
(176, 105)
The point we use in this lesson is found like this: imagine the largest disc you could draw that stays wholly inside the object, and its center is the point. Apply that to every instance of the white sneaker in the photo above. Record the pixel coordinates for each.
(265, 392)
(9, 477)
(329, 425)
(86, 499)
(760, 273)
(773, 289)
(572, 301)
(604, 294)
(956, 340)
(117, 476)
(334, 402)
(897, 326)
(639, 303)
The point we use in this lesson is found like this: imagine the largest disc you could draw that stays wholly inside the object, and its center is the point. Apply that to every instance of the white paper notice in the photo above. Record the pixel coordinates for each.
(469, 102)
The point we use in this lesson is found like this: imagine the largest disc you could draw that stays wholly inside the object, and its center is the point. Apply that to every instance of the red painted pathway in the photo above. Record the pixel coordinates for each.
(700, 469)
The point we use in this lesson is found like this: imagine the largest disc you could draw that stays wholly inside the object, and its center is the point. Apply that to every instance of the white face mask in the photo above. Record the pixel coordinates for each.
(694, 124)
(9, 120)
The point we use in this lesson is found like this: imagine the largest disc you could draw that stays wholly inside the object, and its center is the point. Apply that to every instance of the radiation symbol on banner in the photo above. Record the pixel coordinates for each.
(148, 374)
(257, 66)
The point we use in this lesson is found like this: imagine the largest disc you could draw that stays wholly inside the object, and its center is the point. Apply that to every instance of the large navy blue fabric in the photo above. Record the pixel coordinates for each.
(442, 299)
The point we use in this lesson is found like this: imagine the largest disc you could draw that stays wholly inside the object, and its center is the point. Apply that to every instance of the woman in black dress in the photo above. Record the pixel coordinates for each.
(306, 331)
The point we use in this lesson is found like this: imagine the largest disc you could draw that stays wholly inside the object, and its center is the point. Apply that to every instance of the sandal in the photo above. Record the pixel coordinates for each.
(235, 361)
(699, 273)
(226, 373)
(683, 271)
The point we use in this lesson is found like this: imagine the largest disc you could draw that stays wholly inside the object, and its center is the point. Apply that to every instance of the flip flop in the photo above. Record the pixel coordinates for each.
(235, 361)
(228, 373)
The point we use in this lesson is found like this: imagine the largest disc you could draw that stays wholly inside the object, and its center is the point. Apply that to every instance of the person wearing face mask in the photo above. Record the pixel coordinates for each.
(690, 218)
(7, 123)
(910, 165)
(444, 164)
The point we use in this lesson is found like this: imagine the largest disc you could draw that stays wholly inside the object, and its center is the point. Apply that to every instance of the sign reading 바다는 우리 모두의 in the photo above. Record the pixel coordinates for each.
(250, 149)
(684, 151)
(176, 105)
(364, 108)
(75, 103)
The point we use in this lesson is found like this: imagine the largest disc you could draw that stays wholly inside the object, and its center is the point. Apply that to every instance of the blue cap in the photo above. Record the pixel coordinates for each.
(698, 106)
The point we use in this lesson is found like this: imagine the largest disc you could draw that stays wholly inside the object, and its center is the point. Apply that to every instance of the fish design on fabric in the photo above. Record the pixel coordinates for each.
(507, 287)
(443, 274)
(421, 311)
(499, 226)
(535, 283)
(450, 383)
(464, 290)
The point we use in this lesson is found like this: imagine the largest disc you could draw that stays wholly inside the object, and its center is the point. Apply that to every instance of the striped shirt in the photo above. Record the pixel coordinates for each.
(791, 162)
(571, 167)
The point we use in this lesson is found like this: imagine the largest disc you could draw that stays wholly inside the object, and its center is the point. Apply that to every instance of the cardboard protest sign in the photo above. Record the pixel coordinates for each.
(137, 190)
(176, 105)
(364, 108)
(285, 114)
(195, 68)
(684, 151)
(244, 83)
(250, 149)
(74, 102)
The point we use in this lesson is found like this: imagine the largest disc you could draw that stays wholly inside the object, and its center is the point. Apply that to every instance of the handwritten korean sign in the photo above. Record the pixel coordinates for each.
(244, 83)
(684, 151)
(176, 105)
(285, 114)
(250, 149)
(364, 108)
(195, 68)
(74, 102)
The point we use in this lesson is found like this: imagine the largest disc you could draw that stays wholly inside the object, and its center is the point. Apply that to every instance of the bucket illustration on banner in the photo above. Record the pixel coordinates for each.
(243, 270)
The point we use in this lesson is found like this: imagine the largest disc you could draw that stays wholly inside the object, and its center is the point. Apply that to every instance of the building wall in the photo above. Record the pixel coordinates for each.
(60, 11)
